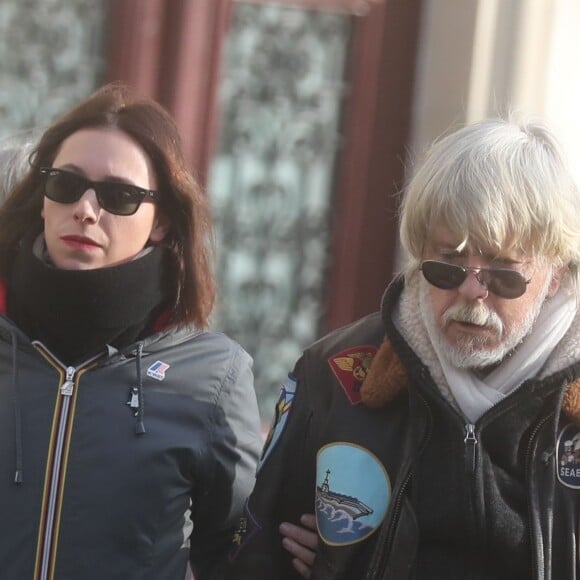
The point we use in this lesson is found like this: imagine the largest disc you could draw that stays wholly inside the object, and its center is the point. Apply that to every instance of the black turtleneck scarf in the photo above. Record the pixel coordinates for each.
(76, 313)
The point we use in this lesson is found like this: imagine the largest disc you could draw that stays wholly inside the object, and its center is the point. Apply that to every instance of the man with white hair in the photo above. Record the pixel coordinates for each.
(427, 437)
(14, 153)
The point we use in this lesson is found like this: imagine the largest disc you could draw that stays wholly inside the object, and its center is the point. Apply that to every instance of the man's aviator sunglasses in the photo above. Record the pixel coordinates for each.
(113, 196)
(502, 282)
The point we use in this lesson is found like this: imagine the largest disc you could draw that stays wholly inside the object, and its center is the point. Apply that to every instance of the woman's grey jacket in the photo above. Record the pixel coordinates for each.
(128, 465)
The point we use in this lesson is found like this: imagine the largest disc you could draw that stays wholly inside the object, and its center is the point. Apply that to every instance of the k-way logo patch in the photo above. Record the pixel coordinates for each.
(157, 370)
(350, 367)
(568, 457)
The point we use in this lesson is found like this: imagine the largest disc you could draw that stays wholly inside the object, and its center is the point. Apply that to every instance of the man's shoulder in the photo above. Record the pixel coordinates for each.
(366, 333)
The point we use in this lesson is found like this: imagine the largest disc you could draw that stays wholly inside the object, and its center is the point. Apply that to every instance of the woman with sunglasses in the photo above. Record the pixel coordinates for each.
(441, 434)
(129, 434)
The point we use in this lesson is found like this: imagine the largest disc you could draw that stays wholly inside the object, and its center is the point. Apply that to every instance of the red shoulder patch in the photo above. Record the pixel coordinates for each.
(350, 367)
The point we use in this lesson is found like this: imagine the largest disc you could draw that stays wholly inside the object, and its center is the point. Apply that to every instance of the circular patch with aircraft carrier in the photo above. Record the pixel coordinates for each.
(352, 493)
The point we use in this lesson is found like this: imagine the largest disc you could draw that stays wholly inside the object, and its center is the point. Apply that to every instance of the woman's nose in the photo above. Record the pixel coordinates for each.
(87, 208)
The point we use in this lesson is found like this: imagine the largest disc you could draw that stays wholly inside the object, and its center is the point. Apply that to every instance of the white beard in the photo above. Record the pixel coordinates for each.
(472, 352)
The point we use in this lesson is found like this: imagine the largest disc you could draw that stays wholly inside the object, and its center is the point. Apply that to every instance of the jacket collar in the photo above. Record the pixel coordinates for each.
(387, 376)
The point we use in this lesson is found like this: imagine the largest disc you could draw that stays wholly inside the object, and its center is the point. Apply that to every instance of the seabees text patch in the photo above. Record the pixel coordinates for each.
(568, 457)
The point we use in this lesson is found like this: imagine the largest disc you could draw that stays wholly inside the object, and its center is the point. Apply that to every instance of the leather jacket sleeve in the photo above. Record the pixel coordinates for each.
(283, 491)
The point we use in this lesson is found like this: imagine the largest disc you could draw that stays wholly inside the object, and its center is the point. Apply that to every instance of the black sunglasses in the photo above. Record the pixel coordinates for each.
(503, 282)
(113, 196)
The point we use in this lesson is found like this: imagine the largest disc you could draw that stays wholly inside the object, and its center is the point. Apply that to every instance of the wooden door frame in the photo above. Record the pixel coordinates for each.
(371, 168)
(172, 51)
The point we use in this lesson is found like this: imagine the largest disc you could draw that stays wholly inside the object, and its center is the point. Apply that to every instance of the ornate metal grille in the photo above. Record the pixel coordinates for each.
(52, 56)
(271, 180)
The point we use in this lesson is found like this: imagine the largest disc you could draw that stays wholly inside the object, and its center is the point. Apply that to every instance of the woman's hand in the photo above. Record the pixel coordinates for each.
(302, 543)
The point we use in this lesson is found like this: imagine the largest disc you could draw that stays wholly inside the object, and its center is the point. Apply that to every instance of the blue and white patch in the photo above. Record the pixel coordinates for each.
(568, 457)
(283, 406)
(157, 370)
(353, 491)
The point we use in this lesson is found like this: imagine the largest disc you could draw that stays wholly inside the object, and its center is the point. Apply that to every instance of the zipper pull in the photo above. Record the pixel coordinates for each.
(133, 401)
(470, 449)
(67, 387)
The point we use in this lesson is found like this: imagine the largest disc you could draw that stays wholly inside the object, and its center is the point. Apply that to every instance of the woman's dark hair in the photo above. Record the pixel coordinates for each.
(184, 204)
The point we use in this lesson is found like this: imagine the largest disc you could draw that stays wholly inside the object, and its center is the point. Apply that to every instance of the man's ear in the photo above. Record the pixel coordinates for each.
(160, 228)
(557, 277)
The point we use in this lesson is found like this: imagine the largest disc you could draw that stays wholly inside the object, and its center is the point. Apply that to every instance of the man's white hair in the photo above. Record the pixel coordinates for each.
(497, 185)
(14, 159)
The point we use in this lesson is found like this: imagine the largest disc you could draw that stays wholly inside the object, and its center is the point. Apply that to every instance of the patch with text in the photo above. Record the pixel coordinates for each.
(157, 370)
(568, 457)
(247, 527)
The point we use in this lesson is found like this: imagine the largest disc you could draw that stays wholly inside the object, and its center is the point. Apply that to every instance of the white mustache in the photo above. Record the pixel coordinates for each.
(479, 315)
